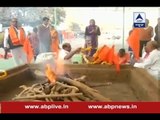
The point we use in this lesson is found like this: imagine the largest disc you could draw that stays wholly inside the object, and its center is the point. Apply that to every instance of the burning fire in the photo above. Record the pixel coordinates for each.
(59, 66)
(50, 74)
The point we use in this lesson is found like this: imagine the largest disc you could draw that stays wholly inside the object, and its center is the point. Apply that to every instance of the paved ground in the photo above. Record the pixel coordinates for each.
(5, 63)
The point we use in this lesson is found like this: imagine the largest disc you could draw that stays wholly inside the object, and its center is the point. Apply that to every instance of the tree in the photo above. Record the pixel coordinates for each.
(31, 15)
(59, 15)
(75, 27)
(5, 15)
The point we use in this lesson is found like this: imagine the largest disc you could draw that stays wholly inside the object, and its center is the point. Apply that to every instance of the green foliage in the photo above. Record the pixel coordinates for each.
(31, 15)
(75, 27)
(1, 37)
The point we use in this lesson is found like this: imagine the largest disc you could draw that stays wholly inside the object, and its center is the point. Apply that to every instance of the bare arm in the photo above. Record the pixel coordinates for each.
(69, 55)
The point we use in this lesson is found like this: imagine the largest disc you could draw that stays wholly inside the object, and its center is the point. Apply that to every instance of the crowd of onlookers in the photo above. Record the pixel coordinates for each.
(143, 50)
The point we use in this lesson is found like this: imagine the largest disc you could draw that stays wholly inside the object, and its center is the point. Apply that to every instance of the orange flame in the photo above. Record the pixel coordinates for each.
(59, 61)
(50, 74)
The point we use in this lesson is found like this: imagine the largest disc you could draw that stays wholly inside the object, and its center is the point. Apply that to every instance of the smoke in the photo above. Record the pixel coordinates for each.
(46, 58)
(50, 58)
(60, 66)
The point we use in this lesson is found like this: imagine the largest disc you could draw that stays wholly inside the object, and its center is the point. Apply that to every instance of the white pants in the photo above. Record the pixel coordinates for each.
(154, 73)
(19, 56)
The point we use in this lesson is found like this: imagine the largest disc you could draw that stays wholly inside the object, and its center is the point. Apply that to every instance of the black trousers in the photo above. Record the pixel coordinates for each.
(142, 44)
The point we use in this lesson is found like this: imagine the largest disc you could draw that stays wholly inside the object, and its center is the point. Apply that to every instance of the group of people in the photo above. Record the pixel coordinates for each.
(45, 38)
(25, 47)
(148, 48)
(145, 49)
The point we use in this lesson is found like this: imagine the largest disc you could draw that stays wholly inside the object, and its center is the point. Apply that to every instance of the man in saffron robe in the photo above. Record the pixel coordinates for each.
(14, 39)
(55, 40)
(124, 57)
(34, 41)
(145, 36)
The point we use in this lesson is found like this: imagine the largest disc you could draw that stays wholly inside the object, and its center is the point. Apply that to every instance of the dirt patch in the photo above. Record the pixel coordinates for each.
(118, 91)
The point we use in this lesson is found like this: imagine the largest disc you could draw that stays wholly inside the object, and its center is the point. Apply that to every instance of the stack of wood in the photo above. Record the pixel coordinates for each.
(64, 89)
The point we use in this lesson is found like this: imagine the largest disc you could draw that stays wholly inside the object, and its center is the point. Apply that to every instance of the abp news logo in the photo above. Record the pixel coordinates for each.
(139, 19)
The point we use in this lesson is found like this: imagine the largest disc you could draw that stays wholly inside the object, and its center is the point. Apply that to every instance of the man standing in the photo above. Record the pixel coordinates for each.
(60, 35)
(44, 36)
(92, 31)
(33, 37)
(55, 40)
(145, 35)
(157, 32)
(14, 39)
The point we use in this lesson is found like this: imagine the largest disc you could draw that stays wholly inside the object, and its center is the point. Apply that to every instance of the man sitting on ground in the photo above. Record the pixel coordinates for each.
(124, 57)
(152, 61)
(66, 53)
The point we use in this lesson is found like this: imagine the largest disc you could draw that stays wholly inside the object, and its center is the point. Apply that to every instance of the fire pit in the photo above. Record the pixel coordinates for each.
(101, 83)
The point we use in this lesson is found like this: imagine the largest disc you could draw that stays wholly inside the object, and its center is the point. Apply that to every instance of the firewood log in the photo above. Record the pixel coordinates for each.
(47, 96)
(74, 98)
(84, 88)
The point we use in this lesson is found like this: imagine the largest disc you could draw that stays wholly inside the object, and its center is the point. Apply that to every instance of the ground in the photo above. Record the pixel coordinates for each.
(78, 42)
